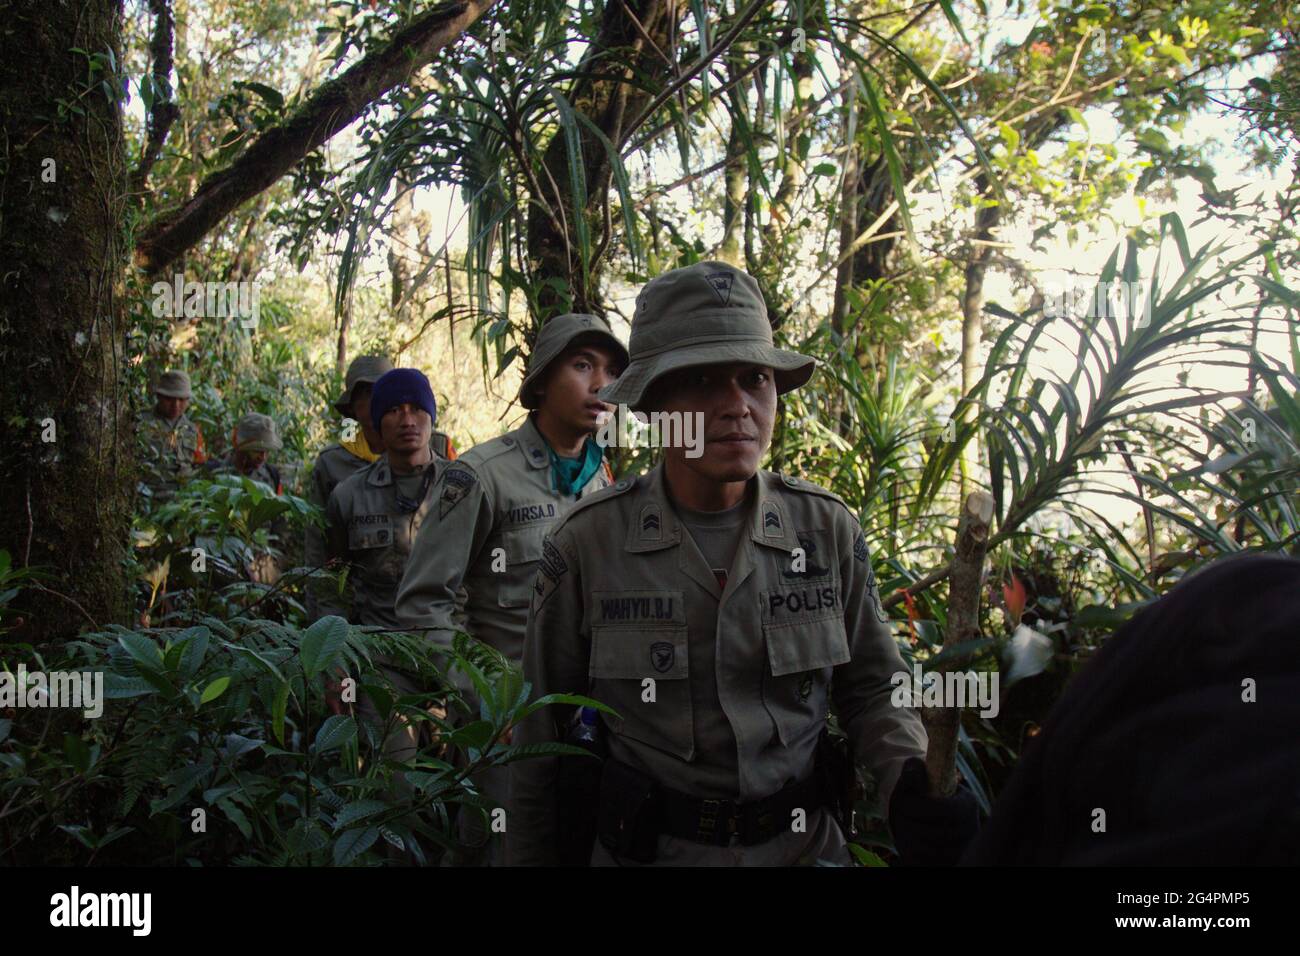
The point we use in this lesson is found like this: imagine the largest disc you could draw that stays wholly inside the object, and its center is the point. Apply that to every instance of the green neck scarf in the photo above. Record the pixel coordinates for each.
(570, 475)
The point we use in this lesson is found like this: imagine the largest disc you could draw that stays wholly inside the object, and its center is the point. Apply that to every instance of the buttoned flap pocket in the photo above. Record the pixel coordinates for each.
(370, 531)
(521, 549)
(643, 672)
(801, 660)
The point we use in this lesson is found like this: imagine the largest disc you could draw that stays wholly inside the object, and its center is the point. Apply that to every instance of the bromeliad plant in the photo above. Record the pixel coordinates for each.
(217, 746)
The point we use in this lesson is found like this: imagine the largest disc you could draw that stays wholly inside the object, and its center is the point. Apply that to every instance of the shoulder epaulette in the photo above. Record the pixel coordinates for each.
(479, 454)
(795, 483)
(607, 493)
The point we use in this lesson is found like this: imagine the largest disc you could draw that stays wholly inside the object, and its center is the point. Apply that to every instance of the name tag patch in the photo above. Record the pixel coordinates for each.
(369, 531)
(523, 513)
(638, 608)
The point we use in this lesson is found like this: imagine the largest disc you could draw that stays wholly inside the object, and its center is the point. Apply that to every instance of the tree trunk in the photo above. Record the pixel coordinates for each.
(941, 724)
(66, 445)
(972, 317)
(635, 37)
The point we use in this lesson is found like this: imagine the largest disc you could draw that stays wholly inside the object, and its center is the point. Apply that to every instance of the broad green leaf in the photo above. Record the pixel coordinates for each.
(335, 732)
(214, 690)
(352, 843)
(321, 644)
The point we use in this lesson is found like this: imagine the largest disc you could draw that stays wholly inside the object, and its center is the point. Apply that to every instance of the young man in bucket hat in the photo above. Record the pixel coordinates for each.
(718, 608)
(497, 501)
(359, 445)
(173, 444)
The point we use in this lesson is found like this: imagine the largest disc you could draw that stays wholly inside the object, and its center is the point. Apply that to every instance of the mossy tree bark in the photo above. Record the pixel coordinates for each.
(66, 451)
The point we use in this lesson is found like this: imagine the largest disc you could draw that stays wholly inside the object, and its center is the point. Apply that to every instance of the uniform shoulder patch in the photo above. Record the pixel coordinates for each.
(455, 483)
(550, 570)
(860, 546)
(873, 590)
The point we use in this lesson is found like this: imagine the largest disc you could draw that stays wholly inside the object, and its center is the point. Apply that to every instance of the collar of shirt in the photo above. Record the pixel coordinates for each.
(568, 475)
(359, 447)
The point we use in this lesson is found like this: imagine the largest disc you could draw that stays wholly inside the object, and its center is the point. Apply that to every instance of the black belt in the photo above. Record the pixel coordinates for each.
(717, 822)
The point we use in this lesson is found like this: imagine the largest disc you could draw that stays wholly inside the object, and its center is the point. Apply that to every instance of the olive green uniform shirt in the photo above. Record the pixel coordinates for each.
(333, 465)
(494, 506)
(741, 678)
(172, 451)
(366, 528)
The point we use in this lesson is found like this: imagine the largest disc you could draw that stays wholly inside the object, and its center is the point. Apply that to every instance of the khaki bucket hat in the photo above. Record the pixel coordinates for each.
(173, 384)
(704, 314)
(365, 369)
(558, 334)
(256, 432)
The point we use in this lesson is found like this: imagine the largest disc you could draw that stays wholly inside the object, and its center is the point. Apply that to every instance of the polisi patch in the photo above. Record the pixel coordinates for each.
(720, 283)
(800, 604)
(638, 608)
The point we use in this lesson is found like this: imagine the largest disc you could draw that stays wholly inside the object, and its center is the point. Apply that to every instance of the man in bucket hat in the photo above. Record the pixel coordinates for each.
(255, 438)
(359, 444)
(173, 444)
(718, 608)
(496, 503)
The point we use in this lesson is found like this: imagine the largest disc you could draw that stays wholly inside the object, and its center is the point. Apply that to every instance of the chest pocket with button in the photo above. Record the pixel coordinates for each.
(802, 651)
(370, 531)
(638, 636)
(523, 549)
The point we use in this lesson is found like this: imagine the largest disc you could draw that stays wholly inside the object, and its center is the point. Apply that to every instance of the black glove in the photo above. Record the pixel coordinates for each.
(929, 830)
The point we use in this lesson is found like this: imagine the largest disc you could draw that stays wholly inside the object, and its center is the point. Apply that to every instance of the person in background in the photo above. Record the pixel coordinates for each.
(255, 438)
(372, 519)
(173, 446)
(359, 445)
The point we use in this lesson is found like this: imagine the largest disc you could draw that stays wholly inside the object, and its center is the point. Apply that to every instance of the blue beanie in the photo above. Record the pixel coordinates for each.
(399, 387)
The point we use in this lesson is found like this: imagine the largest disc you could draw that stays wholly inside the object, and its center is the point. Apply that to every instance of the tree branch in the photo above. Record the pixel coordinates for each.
(164, 112)
(333, 107)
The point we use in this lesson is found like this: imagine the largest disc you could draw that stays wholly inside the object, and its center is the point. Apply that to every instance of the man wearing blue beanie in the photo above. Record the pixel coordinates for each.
(402, 386)
(372, 519)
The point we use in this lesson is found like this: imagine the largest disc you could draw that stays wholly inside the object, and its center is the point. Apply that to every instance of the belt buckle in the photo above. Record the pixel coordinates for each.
(708, 823)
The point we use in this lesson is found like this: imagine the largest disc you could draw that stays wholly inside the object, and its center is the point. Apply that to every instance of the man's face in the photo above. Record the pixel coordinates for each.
(172, 408)
(405, 428)
(738, 405)
(361, 412)
(247, 462)
(572, 381)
